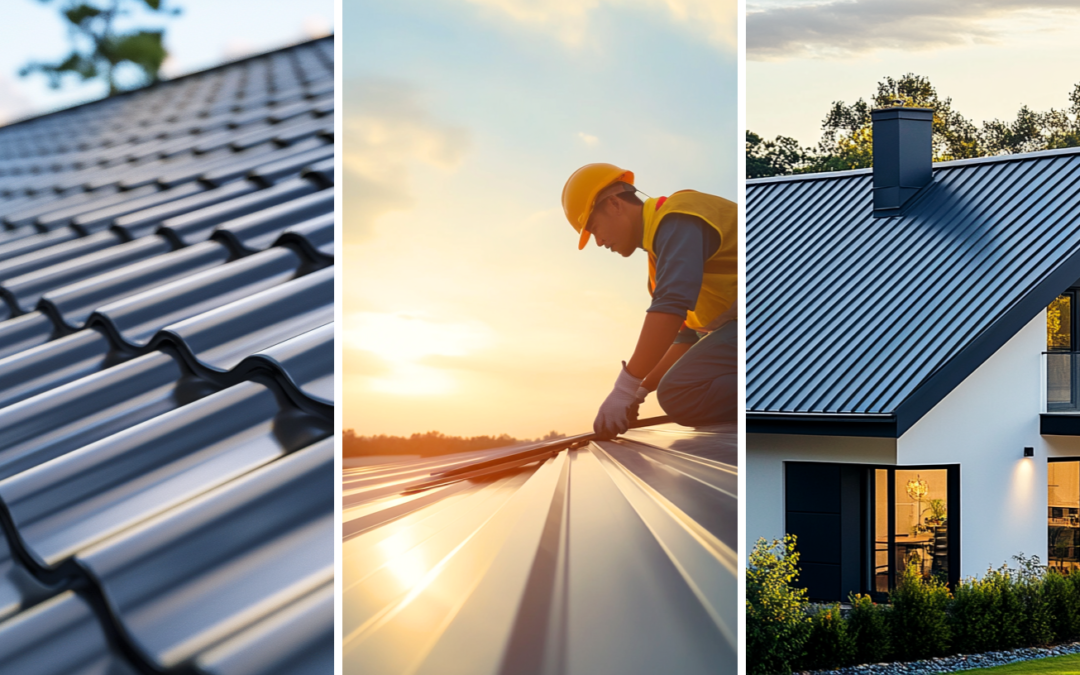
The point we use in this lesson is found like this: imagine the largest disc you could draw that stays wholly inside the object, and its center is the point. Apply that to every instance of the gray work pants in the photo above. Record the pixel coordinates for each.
(701, 387)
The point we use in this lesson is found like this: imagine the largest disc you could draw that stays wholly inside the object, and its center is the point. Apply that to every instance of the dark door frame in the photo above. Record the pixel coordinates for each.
(952, 486)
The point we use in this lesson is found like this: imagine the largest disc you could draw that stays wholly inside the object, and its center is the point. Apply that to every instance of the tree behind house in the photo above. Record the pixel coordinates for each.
(847, 136)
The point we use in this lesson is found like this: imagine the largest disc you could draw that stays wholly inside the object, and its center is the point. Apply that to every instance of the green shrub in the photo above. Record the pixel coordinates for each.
(972, 619)
(777, 626)
(868, 626)
(1063, 604)
(830, 645)
(919, 618)
(1029, 581)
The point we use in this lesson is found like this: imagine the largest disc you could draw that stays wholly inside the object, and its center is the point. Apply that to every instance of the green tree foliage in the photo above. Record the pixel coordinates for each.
(1033, 130)
(99, 49)
(773, 158)
(847, 137)
(429, 444)
(777, 626)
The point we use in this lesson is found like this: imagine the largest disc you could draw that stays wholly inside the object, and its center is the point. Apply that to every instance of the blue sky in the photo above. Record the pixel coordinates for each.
(468, 307)
(207, 33)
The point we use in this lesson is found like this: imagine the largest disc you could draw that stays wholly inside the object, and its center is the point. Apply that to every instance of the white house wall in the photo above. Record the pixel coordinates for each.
(765, 457)
(984, 425)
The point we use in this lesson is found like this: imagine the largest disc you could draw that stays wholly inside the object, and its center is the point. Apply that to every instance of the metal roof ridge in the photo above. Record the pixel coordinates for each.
(952, 163)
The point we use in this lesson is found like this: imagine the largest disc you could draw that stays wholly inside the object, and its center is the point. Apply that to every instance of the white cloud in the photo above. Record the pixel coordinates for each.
(588, 139)
(843, 28)
(389, 130)
(569, 20)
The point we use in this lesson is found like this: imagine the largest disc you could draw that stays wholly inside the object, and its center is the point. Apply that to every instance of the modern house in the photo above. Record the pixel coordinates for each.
(913, 389)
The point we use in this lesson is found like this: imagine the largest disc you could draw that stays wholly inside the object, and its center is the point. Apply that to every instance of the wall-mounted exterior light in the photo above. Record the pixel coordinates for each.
(1029, 452)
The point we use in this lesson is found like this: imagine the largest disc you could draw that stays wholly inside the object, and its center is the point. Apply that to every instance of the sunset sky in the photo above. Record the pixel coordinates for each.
(990, 56)
(468, 308)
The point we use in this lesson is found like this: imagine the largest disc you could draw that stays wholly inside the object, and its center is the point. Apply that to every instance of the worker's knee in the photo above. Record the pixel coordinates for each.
(700, 403)
(700, 388)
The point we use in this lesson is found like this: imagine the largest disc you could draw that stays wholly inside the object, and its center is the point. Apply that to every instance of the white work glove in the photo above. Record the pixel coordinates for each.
(639, 398)
(612, 418)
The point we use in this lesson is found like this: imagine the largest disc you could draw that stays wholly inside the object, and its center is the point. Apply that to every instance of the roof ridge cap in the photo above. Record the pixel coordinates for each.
(953, 163)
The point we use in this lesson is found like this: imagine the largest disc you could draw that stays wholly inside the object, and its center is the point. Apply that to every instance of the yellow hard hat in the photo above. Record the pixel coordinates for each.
(579, 193)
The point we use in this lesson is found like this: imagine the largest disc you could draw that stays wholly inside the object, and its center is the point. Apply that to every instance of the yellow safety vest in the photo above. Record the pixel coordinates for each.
(719, 285)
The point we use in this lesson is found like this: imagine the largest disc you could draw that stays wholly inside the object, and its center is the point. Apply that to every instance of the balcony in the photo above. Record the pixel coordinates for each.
(1061, 393)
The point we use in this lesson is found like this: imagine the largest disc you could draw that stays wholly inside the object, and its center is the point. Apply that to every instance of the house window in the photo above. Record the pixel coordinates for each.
(1062, 366)
(1063, 514)
(1059, 323)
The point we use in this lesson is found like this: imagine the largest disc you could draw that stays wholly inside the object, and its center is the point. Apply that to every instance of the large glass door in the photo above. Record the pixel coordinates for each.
(911, 520)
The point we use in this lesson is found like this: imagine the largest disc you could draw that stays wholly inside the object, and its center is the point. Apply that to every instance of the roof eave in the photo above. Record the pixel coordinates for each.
(875, 425)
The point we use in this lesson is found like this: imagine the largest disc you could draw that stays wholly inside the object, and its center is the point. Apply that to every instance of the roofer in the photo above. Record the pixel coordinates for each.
(687, 348)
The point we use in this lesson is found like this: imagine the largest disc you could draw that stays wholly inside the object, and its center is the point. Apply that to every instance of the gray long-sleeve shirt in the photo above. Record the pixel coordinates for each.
(683, 243)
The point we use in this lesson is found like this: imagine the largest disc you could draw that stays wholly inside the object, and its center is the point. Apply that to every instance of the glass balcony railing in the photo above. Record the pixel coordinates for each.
(1061, 374)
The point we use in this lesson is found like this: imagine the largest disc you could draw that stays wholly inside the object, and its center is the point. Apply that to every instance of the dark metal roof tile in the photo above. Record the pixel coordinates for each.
(73, 304)
(134, 320)
(217, 341)
(66, 418)
(258, 231)
(197, 575)
(110, 427)
(314, 238)
(23, 292)
(28, 642)
(197, 226)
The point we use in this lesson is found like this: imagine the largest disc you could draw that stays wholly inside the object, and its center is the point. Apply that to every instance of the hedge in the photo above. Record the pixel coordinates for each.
(1026, 606)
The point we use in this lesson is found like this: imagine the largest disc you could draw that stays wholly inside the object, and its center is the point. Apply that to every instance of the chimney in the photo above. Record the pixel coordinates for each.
(903, 155)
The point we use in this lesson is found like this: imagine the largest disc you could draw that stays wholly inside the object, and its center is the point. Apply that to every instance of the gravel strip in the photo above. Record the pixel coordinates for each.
(954, 664)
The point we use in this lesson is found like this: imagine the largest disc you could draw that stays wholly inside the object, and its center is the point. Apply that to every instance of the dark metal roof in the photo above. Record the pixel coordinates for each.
(852, 315)
(617, 557)
(166, 377)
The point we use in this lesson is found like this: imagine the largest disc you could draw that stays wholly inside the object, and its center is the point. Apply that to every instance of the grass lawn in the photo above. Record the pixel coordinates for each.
(1058, 665)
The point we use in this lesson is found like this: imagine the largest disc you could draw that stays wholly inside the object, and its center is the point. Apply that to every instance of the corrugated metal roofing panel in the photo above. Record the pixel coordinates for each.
(166, 369)
(617, 557)
(851, 314)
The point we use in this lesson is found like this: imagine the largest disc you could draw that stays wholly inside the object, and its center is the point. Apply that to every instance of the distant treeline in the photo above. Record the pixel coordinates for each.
(431, 443)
